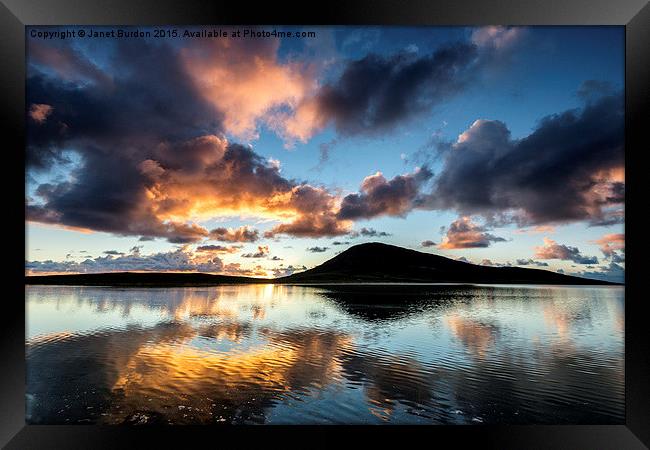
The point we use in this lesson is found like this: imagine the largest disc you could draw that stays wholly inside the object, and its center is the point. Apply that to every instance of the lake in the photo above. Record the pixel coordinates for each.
(346, 354)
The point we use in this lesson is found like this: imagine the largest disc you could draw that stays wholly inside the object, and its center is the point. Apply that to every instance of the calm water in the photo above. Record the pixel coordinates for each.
(267, 354)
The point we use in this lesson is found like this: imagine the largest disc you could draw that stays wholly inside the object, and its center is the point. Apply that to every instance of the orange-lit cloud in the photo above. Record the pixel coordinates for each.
(218, 248)
(303, 124)
(237, 270)
(39, 112)
(610, 243)
(233, 180)
(241, 234)
(262, 251)
(165, 136)
(318, 214)
(463, 233)
(553, 250)
(202, 178)
(249, 85)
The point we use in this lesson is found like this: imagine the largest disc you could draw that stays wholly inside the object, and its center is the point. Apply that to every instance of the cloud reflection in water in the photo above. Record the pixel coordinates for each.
(282, 354)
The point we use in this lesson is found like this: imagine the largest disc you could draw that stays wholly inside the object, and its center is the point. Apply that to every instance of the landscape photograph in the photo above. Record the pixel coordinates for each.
(325, 225)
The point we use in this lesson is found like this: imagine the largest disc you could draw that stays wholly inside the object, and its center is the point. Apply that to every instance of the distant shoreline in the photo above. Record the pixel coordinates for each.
(99, 280)
(171, 286)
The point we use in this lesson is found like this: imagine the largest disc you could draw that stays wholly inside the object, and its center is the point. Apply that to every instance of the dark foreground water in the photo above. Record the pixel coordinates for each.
(267, 354)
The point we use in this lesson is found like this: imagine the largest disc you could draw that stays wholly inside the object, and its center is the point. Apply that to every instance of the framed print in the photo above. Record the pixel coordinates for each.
(385, 220)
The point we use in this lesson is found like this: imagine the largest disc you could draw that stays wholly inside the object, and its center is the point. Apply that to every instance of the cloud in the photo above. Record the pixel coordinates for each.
(611, 243)
(537, 230)
(179, 260)
(136, 105)
(592, 89)
(362, 39)
(613, 272)
(531, 262)
(38, 112)
(249, 85)
(570, 168)
(317, 249)
(113, 252)
(262, 251)
(369, 232)
(463, 233)
(218, 248)
(488, 262)
(167, 134)
(317, 218)
(341, 243)
(553, 250)
(164, 134)
(201, 178)
(241, 234)
(66, 62)
(376, 93)
(412, 48)
(286, 271)
(379, 196)
(324, 149)
(236, 269)
(496, 37)
(113, 127)
(428, 244)
(486, 172)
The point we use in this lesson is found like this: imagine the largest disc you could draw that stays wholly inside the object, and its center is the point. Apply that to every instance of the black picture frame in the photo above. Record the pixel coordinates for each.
(16, 14)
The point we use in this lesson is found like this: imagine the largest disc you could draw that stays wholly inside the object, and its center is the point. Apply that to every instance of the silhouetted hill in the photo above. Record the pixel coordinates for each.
(376, 262)
(363, 263)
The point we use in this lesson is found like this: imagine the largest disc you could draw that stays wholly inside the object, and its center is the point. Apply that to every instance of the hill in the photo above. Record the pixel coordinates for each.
(376, 262)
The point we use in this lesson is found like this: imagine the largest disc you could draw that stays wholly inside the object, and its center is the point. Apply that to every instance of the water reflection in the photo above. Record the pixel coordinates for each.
(476, 336)
(288, 354)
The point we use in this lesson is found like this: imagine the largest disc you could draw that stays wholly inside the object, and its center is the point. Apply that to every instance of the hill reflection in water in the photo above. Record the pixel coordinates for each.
(312, 355)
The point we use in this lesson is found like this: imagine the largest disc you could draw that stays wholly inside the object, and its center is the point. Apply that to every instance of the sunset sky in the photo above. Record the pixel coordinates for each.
(264, 156)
